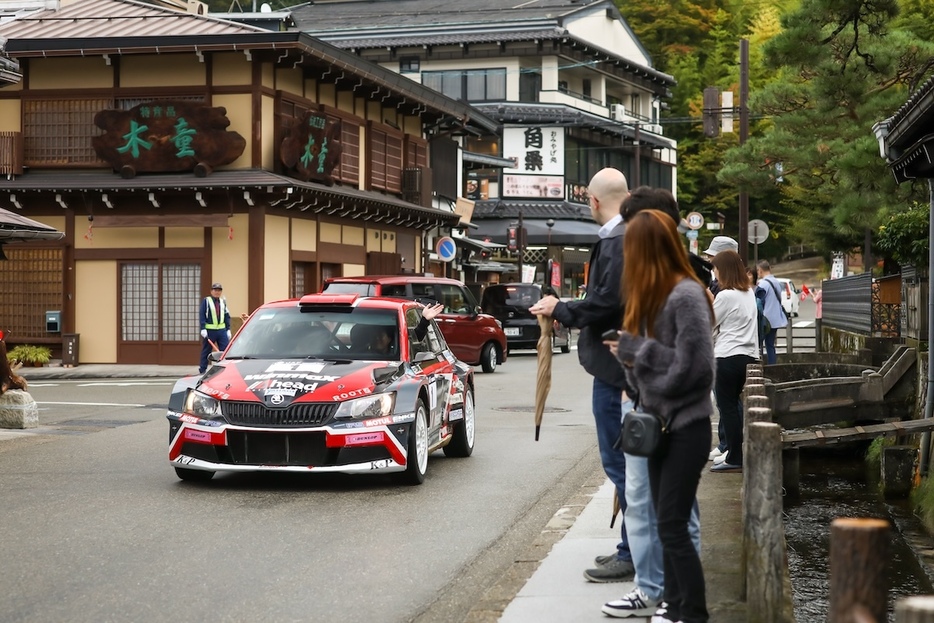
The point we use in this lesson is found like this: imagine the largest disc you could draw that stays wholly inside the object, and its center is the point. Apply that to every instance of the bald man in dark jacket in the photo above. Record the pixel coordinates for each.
(596, 313)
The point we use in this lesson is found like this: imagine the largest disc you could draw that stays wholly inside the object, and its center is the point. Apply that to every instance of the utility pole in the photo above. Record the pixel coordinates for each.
(743, 237)
(520, 244)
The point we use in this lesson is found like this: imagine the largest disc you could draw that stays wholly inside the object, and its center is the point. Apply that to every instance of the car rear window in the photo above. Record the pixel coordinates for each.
(363, 289)
(497, 298)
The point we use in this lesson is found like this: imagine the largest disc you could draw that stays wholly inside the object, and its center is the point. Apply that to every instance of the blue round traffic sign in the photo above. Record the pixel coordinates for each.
(446, 248)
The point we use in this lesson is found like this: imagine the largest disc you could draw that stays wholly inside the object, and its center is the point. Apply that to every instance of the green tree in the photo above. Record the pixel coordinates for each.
(841, 68)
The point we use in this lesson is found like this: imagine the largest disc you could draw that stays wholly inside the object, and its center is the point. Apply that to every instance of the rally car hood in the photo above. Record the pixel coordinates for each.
(280, 382)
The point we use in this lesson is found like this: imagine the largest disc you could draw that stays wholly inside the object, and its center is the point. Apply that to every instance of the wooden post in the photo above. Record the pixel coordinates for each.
(858, 557)
(763, 532)
(753, 402)
(919, 609)
(758, 414)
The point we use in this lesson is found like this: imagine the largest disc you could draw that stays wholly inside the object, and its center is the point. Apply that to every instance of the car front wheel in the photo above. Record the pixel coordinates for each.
(462, 443)
(417, 455)
(489, 358)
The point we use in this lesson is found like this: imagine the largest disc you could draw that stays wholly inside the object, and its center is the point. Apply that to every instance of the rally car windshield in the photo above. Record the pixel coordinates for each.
(288, 332)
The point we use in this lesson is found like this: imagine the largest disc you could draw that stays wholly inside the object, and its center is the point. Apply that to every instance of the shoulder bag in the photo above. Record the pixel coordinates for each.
(642, 434)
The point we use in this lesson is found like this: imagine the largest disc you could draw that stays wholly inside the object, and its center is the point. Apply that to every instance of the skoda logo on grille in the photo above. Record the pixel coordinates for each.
(276, 399)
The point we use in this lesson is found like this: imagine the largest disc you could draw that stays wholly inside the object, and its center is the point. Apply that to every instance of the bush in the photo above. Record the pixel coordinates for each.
(29, 355)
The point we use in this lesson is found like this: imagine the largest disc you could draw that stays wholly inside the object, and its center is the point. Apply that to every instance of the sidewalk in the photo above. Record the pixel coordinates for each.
(557, 591)
(553, 589)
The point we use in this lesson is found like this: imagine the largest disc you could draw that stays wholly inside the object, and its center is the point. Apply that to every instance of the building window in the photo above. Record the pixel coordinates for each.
(409, 65)
(474, 85)
(586, 87)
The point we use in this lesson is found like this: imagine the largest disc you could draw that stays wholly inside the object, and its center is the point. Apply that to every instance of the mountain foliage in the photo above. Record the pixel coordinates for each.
(821, 73)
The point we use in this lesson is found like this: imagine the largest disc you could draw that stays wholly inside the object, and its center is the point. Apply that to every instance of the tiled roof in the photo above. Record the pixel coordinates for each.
(407, 13)
(530, 208)
(410, 40)
(109, 18)
(338, 199)
(16, 228)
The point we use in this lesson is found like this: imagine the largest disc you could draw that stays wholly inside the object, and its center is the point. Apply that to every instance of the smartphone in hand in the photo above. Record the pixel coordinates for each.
(612, 334)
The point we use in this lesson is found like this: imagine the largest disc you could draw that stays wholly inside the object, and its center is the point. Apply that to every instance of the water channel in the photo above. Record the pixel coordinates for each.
(835, 483)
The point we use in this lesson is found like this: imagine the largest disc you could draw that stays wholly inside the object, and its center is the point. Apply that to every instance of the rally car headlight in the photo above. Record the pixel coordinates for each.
(202, 405)
(371, 406)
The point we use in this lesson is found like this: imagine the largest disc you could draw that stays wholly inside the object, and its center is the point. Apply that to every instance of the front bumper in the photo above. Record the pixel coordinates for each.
(364, 446)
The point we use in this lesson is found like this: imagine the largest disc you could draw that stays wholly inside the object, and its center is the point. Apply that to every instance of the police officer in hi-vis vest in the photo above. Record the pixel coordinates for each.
(215, 324)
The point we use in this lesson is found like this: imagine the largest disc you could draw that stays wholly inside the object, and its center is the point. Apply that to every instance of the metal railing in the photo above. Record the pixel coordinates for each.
(847, 303)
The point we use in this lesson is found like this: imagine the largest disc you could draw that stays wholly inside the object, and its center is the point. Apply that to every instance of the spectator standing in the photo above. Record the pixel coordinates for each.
(667, 352)
(645, 599)
(736, 338)
(771, 308)
(818, 296)
(215, 324)
(718, 244)
(596, 313)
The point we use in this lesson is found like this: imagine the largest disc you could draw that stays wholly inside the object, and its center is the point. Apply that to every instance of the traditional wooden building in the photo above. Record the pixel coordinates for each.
(569, 82)
(176, 150)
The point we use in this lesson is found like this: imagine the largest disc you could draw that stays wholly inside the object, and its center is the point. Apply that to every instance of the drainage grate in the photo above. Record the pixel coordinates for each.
(531, 409)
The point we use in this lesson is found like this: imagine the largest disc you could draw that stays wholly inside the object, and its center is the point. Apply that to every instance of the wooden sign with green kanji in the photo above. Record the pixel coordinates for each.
(166, 135)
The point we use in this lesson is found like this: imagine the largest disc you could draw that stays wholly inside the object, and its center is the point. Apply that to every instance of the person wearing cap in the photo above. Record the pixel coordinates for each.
(718, 244)
(215, 324)
(581, 291)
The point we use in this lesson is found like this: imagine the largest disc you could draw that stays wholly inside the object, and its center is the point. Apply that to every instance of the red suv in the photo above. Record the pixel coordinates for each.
(474, 337)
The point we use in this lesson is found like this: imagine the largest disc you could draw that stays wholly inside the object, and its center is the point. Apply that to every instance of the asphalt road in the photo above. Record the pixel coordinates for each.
(96, 527)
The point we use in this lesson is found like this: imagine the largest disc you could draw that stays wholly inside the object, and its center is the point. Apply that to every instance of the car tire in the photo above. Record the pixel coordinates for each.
(462, 443)
(193, 475)
(417, 451)
(489, 357)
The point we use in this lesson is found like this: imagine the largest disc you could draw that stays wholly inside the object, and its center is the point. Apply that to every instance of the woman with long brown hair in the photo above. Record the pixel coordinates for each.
(666, 349)
(736, 336)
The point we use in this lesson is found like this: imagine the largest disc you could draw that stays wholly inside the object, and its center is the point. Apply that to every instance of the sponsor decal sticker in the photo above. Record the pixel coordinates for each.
(197, 435)
(354, 393)
(380, 421)
(364, 438)
(456, 414)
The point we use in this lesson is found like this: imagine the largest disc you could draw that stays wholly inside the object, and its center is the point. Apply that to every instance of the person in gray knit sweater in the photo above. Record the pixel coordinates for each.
(666, 350)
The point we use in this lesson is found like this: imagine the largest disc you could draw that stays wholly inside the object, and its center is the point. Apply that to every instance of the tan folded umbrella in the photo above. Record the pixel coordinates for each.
(543, 379)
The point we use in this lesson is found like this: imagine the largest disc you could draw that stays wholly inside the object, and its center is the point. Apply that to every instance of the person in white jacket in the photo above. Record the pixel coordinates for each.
(736, 339)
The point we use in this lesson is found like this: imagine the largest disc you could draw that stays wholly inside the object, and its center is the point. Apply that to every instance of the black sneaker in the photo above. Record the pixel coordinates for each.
(602, 561)
(613, 571)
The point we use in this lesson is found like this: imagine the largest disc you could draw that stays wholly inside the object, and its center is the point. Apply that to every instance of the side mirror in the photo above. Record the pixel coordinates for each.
(215, 356)
(425, 355)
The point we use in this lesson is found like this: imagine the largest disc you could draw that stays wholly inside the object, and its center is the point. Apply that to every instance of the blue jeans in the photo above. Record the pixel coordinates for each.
(770, 357)
(606, 413)
(642, 526)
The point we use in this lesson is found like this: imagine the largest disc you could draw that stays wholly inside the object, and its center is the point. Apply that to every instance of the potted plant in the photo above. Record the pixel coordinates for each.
(29, 355)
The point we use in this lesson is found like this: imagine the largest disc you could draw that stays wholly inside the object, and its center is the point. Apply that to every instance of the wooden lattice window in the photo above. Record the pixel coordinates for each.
(30, 285)
(348, 171)
(416, 152)
(159, 302)
(58, 132)
(385, 159)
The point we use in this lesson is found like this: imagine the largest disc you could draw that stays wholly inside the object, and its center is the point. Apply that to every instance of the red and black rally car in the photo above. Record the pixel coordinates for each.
(325, 383)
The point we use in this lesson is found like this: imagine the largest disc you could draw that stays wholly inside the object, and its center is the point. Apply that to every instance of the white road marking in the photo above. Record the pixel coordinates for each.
(92, 404)
(124, 383)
